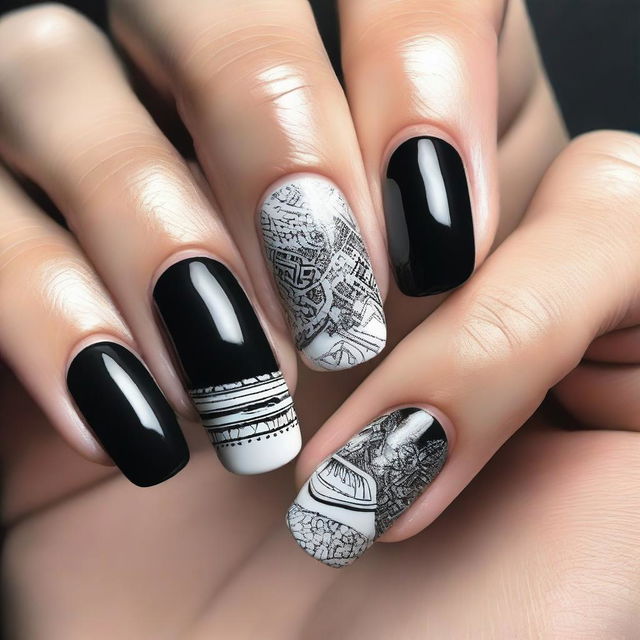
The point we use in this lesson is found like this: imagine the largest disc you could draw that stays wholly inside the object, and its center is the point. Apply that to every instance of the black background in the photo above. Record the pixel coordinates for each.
(592, 52)
(590, 47)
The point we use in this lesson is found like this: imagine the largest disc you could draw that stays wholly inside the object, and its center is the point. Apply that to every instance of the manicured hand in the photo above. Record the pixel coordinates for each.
(173, 284)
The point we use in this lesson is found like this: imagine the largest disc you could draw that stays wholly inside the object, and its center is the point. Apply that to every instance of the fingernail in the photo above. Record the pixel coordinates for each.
(428, 216)
(229, 367)
(354, 496)
(323, 273)
(126, 410)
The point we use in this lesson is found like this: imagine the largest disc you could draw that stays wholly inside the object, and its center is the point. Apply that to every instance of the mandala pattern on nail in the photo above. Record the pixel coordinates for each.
(323, 273)
(365, 486)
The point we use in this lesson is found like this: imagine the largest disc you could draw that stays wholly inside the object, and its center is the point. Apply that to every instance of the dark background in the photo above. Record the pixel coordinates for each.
(592, 52)
(591, 49)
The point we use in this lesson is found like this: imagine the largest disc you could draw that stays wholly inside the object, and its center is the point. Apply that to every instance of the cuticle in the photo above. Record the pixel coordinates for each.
(196, 252)
(417, 130)
(92, 339)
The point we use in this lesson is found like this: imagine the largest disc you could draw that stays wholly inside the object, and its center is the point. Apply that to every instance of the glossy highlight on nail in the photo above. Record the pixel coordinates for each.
(126, 410)
(228, 366)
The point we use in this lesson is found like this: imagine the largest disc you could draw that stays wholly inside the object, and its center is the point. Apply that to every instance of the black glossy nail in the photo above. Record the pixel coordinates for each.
(428, 215)
(126, 410)
(228, 365)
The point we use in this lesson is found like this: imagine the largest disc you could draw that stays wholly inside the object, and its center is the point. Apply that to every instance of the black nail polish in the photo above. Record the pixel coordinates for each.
(126, 410)
(428, 215)
(228, 365)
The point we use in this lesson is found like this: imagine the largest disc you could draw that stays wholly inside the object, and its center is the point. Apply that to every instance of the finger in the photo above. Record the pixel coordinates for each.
(422, 84)
(603, 396)
(44, 276)
(133, 205)
(274, 134)
(620, 346)
(550, 514)
(458, 386)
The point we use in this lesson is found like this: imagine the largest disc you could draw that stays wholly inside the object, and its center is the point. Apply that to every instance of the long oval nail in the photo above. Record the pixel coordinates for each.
(428, 216)
(229, 366)
(354, 496)
(126, 410)
(323, 273)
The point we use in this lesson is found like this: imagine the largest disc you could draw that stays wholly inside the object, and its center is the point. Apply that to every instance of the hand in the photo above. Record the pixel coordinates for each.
(207, 524)
(99, 155)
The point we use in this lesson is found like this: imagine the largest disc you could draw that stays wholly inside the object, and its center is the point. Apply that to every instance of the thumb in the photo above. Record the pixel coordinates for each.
(462, 382)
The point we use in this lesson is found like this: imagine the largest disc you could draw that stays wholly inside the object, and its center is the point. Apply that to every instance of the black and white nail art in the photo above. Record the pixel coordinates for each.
(354, 496)
(228, 366)
(244, 419)
(323, 273)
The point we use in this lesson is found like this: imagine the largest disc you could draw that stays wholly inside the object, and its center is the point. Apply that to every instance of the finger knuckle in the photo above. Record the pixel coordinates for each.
(499, 325)
(42, 269)
(40, 31)
(267, 62)
(608, 158)
(26, 246)
(597, 181)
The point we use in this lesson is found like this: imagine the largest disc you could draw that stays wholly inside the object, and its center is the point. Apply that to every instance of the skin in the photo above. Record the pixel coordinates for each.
(539, 543)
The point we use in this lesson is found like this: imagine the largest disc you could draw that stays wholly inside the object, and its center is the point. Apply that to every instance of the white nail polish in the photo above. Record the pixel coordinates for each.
(323, 273)
(251, 423)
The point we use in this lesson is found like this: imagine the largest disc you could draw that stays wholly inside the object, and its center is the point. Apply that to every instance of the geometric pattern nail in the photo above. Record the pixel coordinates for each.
(354, 496)
(240, 413)
(323, 274)
(248, 416)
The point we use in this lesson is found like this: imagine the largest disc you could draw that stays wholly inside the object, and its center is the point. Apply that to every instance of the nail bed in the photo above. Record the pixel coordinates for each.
(228, 366)
(428, 217)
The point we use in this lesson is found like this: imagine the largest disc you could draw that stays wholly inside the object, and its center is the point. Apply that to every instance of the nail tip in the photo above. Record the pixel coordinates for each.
(311, 532)
(413, 290)
(278, 456)
(160, 479)
(262, 433)
(345, 358)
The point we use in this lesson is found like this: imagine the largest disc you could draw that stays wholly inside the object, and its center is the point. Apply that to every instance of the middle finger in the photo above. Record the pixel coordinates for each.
(273, 131)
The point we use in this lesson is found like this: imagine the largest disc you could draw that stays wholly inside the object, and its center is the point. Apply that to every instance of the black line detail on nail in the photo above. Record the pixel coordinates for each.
(238, 411)
(323, 274)
(317, 498)
(327, 540)
(374, 477)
